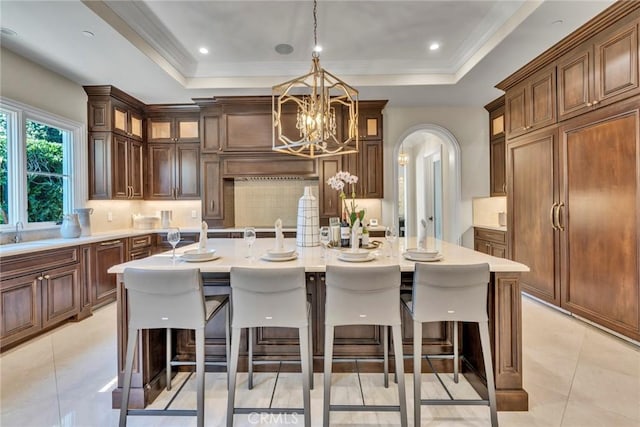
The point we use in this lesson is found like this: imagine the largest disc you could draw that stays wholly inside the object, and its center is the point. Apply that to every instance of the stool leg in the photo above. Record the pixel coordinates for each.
(398, 355)
(328, 356)
(385, 341)
(456, 352)
(227, 343)
(304, 361)
(310, 332)
(417, 371)
(233, 368)
(168, 359)
(250, 357)
(128, 368)
(488, 369)
(200, 376)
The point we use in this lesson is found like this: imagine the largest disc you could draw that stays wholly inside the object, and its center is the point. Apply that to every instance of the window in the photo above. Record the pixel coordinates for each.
(39, 157)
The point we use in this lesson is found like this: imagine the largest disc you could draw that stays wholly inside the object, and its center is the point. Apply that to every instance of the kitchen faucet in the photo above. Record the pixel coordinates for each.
(19, 229)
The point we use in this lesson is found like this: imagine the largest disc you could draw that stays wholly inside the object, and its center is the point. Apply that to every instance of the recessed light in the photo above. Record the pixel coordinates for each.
(203, 50)
(434, 46)
(7, 32)
(87, 33)
(284, 49)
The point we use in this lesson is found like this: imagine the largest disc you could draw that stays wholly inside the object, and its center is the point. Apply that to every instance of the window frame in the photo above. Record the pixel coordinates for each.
(76, 165)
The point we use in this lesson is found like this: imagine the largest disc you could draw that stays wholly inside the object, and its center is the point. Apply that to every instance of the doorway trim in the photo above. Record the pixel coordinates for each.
(454, 178)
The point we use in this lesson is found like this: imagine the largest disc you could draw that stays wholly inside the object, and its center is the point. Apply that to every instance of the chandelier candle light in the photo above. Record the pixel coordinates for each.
(338, 182)
(315, 99)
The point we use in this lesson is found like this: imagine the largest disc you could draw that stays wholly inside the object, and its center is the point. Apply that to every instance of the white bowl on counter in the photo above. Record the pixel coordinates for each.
(280, 253)
(199, 254)
(355, 254)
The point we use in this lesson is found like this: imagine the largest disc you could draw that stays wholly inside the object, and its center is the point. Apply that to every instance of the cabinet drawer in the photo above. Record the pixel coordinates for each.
(139, 241)
(139, 254)
(38, 261)
(490, 235)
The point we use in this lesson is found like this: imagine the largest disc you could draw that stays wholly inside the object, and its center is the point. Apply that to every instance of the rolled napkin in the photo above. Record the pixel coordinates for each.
(279, 235)
(354, 234)
(422, 242)
(202, 244)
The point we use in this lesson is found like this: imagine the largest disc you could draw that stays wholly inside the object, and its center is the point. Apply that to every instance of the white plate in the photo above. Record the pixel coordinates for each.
(199, 254)
(285, 253)
(357, 255)
(422, 253)
(423, 259)
(213, 257)
(266, 257)
(370, 257)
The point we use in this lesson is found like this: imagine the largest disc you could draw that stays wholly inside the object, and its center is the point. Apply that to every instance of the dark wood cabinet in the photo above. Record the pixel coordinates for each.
(217, 194)
(600, 71)
(329, 202)
(116, 150)
(173, 128)
(211, 132)
(140, 246)
(38, 290)
(173, 171)
(497, 148)
(531, 104)
(490, 242)
(162, 245)
(105, 255)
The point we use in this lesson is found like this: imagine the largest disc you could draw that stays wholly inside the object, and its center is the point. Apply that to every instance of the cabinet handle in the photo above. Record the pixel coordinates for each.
(46, 276)
(109, 243)
(330, 203)
(589, 104)
(560, 206)
(212, 205)
(312, 279)
(595, 102)
(504, 187)
(552, 216)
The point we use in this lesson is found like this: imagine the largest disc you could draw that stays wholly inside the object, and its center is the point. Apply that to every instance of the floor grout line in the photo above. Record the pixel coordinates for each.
(55, 379)
(575, 369)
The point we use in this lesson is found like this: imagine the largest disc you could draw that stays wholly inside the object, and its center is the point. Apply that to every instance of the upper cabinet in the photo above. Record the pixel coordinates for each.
(497, 148)
(177, 128)
(531, 104)
(116, 149)
(600, 71)
(367, 163)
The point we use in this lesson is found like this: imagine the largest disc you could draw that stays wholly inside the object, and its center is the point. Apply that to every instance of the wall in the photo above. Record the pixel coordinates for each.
(32, 84)
(470, 126)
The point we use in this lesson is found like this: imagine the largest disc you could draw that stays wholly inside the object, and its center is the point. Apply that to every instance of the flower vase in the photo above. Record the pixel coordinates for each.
(308, 227)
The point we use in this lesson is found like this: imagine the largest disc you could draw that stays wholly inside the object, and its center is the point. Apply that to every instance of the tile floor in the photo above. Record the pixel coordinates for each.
(576, 375)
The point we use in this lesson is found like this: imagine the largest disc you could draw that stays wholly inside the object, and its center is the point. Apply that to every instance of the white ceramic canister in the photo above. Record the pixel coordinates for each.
(70, 228)
(308, 229)
(84, 217)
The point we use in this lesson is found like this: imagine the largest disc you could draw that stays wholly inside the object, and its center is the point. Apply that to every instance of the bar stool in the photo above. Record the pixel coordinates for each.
(457, 294)
(167, 299)
(363, 296)
(271, 298)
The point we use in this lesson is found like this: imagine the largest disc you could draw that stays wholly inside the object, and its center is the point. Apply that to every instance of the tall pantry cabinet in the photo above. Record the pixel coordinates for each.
(573, 186)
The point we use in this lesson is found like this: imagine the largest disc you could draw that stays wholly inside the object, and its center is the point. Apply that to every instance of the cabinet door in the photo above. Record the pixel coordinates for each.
(161, 161)
(120, 167)
(187, 171)
(100, 165)
(136, 169)
(496, 123)
(120, 118)
(135, 125)
(482, 246)
(575, 82)
(600, 237)
(371, 172)
(532, 170)
(212, 207)
(187, 129)
(370, 124)
(211, 134)
(498, 176)
(516, 111)
(499, 251)
(19, 308)
(249, 131)
(99, 115)
(616, 64)
(106, 255)
(542, 102)
(160, 129)
(329, 198)
(60, 294)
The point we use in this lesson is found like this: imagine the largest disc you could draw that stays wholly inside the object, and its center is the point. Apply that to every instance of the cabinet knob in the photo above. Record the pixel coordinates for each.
(46, 276)
(589, 104)
(40, 278)
(595, 102)
(312, 279)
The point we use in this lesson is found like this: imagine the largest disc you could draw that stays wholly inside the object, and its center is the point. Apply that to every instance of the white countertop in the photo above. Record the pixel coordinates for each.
(233, 252)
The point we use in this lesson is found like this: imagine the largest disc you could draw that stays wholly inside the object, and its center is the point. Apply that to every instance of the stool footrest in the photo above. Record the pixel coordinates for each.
(365, 408)
(164, 412)
(268, 410)
(447, 402)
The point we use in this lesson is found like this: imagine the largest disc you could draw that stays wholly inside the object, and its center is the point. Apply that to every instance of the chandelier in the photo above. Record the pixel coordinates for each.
(403, 157)
(308, 111)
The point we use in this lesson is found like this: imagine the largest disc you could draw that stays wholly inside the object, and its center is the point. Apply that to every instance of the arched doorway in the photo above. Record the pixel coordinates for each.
(428, 187)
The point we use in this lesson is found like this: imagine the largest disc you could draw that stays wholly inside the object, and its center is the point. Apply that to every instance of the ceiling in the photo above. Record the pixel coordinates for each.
(150, 49)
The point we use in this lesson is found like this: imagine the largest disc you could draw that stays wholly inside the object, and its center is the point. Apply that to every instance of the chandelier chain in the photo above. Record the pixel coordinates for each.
(315, 24)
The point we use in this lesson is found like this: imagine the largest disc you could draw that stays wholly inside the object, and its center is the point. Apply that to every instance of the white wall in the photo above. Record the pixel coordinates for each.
(470, 126)
(32, 84)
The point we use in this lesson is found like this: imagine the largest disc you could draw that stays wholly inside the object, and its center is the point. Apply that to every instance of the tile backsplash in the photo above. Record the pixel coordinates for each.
(259, 202)
(117, 214)
(486, 210)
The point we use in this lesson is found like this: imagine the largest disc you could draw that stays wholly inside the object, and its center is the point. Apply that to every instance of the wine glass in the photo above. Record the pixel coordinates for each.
(325, 239)
(173, 237)
(249, 238)
(390, 235)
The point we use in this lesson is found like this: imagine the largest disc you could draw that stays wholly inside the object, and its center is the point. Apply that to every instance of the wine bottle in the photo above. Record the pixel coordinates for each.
(345, 232)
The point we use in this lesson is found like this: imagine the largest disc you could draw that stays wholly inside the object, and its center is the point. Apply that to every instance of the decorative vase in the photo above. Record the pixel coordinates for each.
(308, 229)
(85, 220)
(70, 228)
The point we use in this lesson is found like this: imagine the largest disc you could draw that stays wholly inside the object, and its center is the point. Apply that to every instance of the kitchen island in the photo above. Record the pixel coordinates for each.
(365, 342)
